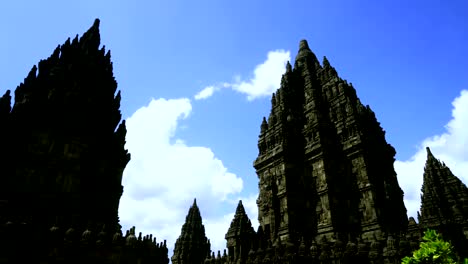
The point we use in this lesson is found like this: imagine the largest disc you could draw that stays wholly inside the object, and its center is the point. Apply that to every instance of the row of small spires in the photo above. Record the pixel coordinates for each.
(88, 236)
(362, 248)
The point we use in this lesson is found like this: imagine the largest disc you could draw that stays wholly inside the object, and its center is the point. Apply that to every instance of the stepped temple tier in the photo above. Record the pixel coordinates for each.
(328, 191)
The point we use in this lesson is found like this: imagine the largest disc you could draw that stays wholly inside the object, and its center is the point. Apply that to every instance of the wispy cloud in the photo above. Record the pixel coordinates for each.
(266, 78)
(205, 93)
(450, 147)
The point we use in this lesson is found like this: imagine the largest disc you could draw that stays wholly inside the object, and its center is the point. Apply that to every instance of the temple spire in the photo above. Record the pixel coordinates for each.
(444, 200)
(303, 45)
(192, 244)
(305, 55)
(325, 63)
(429, 153)
(240, 208)
(263, 126)
(91, 39)
(193, 215)
(240, 235)
(288, 67)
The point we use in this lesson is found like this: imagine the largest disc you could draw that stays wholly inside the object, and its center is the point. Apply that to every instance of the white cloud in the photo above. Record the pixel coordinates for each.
(205, 93)
(165, 175)
(450, 147)
(266, 78)
(216, 228)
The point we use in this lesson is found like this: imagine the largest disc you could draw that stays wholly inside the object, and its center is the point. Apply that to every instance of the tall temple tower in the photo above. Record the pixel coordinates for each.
(64, 139)
(192, 246)
(325, 169)
(62, 156)
(444, 203)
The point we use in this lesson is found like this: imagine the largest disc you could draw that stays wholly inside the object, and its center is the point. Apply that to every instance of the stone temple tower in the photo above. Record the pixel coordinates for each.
(444, 203)
(325, 169)
(62, 145)
(192, 246)
(240, 236)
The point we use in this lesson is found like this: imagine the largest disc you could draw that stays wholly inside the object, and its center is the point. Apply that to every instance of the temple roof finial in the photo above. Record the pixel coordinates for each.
(305, 54)
(288, 67)
(96, 23)
(91, 39)
(263, 126)
(429, 153)
(303, 45)
(192, 243)
(325, 63)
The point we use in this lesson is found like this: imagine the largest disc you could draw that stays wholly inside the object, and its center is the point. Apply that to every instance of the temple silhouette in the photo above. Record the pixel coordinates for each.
(62, 159)
(328, 191)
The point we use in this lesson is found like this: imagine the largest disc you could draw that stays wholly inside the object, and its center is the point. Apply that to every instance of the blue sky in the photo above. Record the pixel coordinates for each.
(406, 59)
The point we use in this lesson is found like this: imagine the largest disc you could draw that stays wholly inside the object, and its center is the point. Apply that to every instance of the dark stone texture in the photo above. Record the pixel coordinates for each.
(324, 165)
(240, 236)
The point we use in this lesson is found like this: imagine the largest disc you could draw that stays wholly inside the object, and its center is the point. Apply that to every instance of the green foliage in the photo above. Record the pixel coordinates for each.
(433, 250)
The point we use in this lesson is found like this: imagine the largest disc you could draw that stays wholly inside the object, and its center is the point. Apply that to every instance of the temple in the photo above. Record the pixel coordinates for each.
(240, 236)
(444, 203)
(62, 157)
(192, 246)
(324, 167)
(328, 191)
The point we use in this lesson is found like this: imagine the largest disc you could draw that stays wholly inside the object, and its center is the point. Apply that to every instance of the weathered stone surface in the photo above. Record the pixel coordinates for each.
(324, 166)
(192, 246)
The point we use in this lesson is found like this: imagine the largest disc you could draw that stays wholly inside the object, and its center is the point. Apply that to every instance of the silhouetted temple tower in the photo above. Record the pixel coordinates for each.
(324, 166)
(192, 246)
(66, 139)
(62, 156)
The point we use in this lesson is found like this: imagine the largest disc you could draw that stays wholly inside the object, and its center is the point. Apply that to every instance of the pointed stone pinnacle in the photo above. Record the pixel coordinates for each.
(240, 208)
(429, 153)
(325, 63)
(303, 45)
(192, 243)
(91, 39)
(288, 67)
(263, 126)
(305, 54)
(96, 23)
